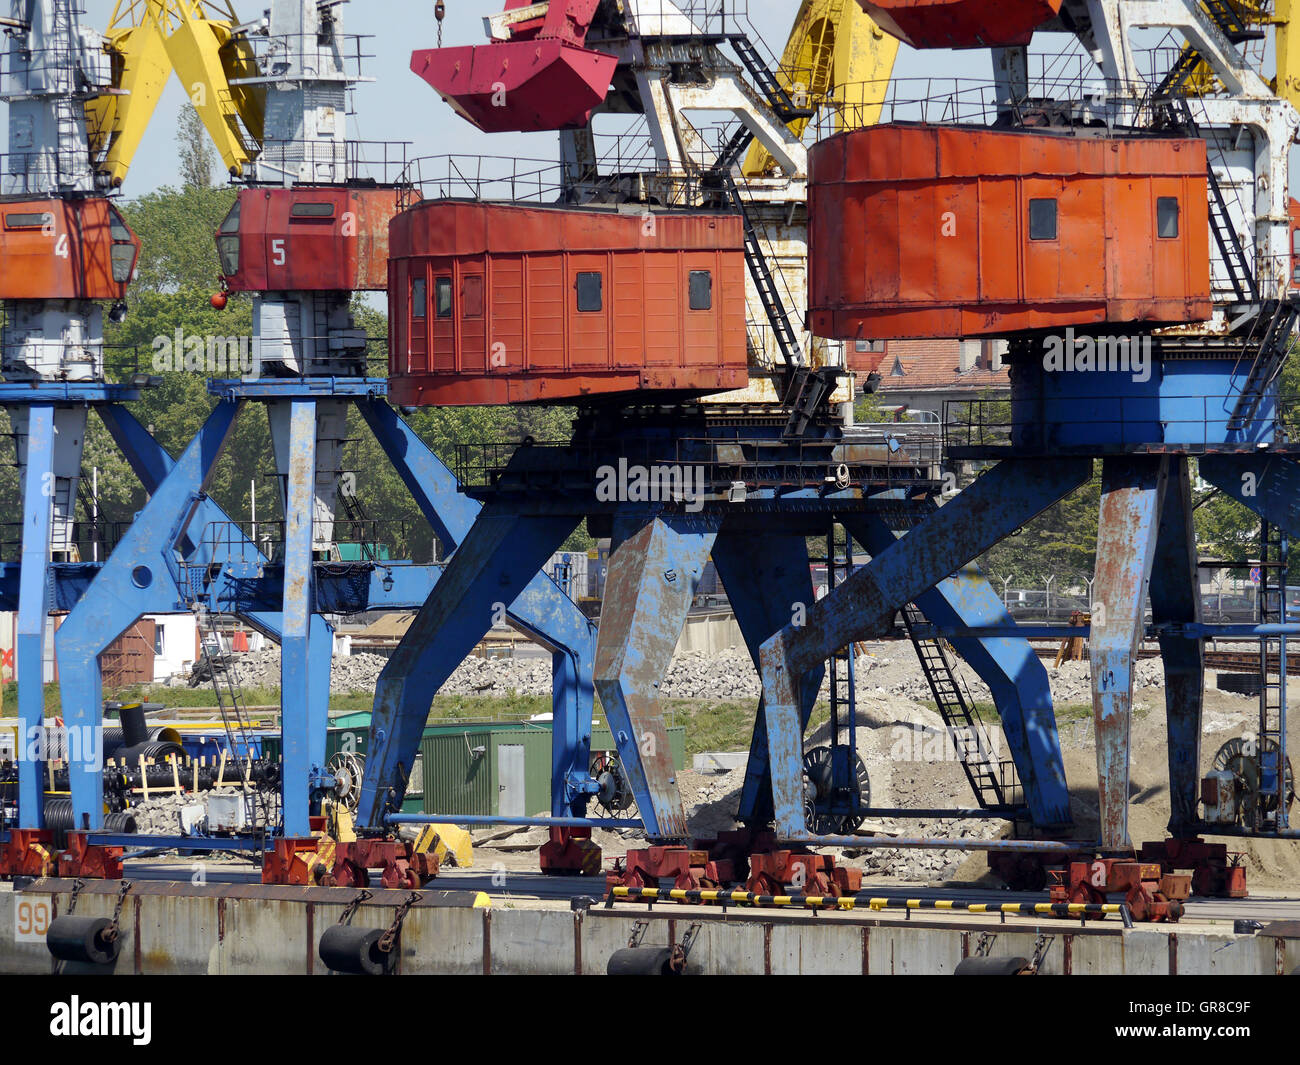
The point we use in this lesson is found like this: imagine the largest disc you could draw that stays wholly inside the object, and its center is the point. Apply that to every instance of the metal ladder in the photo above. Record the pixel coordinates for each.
(1241, 272)
(234, 715)
(840, 672)
(773, 92)
(761, 272)
(768, 83)
(1274, 345)
(1234, 27)
(995, 783)
(1272, 690)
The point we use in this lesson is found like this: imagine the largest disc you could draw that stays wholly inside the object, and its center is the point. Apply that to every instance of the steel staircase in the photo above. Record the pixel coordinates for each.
(995, 782)
(1271, 809)
(234, 715)
(773, 306)
(1267, 345)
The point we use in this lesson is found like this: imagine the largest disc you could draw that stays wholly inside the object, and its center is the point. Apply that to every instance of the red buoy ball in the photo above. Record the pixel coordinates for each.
(219, 300)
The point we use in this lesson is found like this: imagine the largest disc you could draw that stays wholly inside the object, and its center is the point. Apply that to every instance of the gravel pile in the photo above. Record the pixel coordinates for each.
(161, 815)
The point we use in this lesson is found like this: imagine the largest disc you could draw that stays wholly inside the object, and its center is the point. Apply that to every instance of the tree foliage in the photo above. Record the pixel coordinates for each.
(177, 275)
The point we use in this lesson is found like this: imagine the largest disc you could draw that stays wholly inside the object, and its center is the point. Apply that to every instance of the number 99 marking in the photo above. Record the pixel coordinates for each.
(31, 920)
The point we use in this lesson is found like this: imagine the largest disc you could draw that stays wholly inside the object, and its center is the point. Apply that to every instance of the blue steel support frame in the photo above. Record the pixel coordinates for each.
(655, 566)
(546, 614)
(497, 565)
(1267, 484)
(137, 579)
(767, 577)
(998, 503)
(306, 642)
(1014, 674)
(1176, 601)
(1132, 497)
(34, 601)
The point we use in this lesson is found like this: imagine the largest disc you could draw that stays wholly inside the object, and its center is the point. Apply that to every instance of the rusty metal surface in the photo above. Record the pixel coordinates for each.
(654, 568)
(1176, 598)
(997, 504)
(283, 248)
(1131, 498)
(61, 250)
(509, 328)
(923, 231)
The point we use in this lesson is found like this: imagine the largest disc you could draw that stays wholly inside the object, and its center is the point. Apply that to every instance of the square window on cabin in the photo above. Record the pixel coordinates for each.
(701, 290)
(442, 297)
(589, 291)
(419, 297)
(1042, 219)
(1167, 217)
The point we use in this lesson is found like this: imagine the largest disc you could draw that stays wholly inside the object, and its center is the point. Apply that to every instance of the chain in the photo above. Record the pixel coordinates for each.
(439, 12)
(389, 939)
(77, 885)
(351, 907)
(115, 930)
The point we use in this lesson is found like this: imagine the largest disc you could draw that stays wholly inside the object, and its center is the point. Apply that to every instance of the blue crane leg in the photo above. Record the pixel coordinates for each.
(1008, 665)
(546, 613)
(1132, 492)
(767, 579)
(655, 566)
(303, 713)
(499, 559)
(1175, 598)
(1267, 484)
(135, 580)
(34, 591)
(997, 504)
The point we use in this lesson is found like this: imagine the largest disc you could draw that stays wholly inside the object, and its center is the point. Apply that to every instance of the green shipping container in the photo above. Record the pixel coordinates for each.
(502, 769)
(487, 771)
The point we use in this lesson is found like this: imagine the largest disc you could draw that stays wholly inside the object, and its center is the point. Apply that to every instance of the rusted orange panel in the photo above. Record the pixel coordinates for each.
(308, 240)
(961, 23)
(924, 231)
(65, 250)
(575, 303)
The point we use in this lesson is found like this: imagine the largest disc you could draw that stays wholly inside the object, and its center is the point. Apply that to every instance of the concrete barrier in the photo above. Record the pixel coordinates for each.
(181, 929)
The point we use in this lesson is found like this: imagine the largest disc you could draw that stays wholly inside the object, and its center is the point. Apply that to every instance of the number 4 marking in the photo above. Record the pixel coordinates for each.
(61, 246)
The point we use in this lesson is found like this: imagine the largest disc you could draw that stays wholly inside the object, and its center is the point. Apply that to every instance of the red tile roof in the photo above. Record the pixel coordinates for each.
(934, 365)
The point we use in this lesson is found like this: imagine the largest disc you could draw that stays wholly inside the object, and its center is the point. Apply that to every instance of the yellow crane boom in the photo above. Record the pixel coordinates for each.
(835, 55)
(149, 39)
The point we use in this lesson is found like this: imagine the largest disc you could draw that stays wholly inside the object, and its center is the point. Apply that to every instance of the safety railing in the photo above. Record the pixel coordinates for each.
(350, 540)
(85, 541)
(1197, 421)
(544, 181)
(331, 162)
(685, 465)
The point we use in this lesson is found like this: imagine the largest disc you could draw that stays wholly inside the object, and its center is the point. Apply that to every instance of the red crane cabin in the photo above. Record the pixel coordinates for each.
(504, 303)
(952, 231)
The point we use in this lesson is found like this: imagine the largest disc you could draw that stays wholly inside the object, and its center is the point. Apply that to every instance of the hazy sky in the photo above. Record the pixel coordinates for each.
(398, 106)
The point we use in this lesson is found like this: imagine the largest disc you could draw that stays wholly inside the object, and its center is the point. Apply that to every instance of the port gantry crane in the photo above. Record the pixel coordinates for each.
(780, 463)
(1212, 394)
(307, 231)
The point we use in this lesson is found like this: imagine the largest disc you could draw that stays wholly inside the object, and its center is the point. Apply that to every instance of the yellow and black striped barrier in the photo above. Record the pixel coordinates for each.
(1068, 910)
